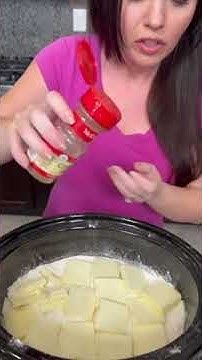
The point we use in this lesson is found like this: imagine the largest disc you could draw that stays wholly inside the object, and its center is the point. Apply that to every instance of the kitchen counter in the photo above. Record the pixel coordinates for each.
(190, 233)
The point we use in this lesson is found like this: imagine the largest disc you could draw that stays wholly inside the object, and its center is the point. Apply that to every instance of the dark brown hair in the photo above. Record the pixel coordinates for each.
(173, 105)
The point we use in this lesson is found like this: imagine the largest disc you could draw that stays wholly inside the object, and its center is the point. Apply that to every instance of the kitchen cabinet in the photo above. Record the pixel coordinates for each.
(20, 193)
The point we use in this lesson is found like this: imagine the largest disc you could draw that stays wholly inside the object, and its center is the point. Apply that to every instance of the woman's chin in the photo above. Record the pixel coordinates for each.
(145, 61)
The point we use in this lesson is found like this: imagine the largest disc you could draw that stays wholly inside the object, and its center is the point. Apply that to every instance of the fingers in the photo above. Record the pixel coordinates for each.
(35, 128)
(124, 182)
(60, 107)
(46, 129)
(144, 168)
(142, 184)
(120, 179)
(18, 151)
(134, 198)
(133, 186)
(23, 129)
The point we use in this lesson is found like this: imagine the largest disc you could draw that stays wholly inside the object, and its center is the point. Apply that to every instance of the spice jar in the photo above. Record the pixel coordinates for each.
(96, 113)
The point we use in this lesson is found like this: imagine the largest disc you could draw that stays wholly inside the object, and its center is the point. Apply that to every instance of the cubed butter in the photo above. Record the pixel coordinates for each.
(133, 276)
(77, 272)
(112, 317)
(25, 293)
(112, 289)
(52, 281)
(17, 321)
(77, 340)
(81, 304)
(105, 269)
(113, 346)
(44, 333)
(145, 310)
(54, 300)
(147, 338)
(164, 294)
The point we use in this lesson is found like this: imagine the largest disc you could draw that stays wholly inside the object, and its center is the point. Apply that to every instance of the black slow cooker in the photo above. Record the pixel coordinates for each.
(47, 240)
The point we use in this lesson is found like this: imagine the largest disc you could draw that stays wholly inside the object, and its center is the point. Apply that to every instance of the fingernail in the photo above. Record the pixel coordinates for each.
(62, 146)
(26, 164)
(49, 156)
(128, 201)
(111, 170)
(69, 118)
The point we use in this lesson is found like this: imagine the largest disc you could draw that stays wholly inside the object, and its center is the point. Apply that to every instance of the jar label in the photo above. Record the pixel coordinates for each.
(82, 130)
(49, 167)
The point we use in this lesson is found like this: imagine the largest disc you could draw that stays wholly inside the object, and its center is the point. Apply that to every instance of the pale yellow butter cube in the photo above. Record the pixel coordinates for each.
(147, 338)
(77, 272)
(52, 281)
(111, 289)
(26, 292)
(113, 346)
(81, 304)
(55, 300)
(44, 333)
(112, 317)
(17, 321)
(57, 267)
(104, 268)
(164, 294)
(134, 276)
(77, 340)
(145, 310)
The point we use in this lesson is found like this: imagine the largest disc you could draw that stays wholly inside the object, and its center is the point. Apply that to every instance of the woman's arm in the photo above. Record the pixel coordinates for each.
(144, 184)
(180, 204)
(5, 154)
(29, 89)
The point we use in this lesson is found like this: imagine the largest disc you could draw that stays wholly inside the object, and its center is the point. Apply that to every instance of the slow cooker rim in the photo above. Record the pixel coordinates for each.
(171, 239)
(92, 216)
(193, 332)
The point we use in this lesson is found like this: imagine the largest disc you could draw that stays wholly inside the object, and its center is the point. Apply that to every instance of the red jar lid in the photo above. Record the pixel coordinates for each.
(101, 108)
(87, 63)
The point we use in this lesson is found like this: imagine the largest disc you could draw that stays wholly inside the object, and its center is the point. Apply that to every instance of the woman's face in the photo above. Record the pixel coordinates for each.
(152, 28)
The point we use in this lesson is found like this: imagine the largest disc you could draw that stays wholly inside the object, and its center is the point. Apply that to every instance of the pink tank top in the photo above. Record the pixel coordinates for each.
(86, 186)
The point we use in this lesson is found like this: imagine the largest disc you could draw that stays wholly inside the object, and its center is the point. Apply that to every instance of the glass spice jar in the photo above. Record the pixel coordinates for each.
(95, 113)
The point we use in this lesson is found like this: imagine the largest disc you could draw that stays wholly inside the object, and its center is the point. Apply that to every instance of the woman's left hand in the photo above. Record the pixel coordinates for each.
(139, 185)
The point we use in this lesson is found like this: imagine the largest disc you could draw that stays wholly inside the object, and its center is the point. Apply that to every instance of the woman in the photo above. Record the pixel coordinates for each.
(150, 165)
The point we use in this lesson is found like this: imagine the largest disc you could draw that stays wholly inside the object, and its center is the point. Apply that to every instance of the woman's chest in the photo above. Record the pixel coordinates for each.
(114, 148)
(131, 100)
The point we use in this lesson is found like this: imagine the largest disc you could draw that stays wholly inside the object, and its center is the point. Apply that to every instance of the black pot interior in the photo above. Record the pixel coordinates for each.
(47, 240)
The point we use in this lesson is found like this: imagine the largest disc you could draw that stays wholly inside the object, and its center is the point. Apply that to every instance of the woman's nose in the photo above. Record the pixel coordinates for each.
(156, 14)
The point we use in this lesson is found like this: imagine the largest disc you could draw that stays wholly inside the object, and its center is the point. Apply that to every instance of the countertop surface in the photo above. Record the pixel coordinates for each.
(190, 233)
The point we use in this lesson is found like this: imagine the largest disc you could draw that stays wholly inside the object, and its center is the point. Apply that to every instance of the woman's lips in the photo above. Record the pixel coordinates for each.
(150, 46)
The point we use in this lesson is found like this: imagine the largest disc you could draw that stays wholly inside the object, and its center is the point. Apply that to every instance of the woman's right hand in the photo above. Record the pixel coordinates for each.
(35, 123)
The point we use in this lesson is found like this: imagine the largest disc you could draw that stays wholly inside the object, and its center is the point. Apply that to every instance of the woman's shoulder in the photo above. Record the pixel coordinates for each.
(74, 39)
(68, 44)
(58, 63)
